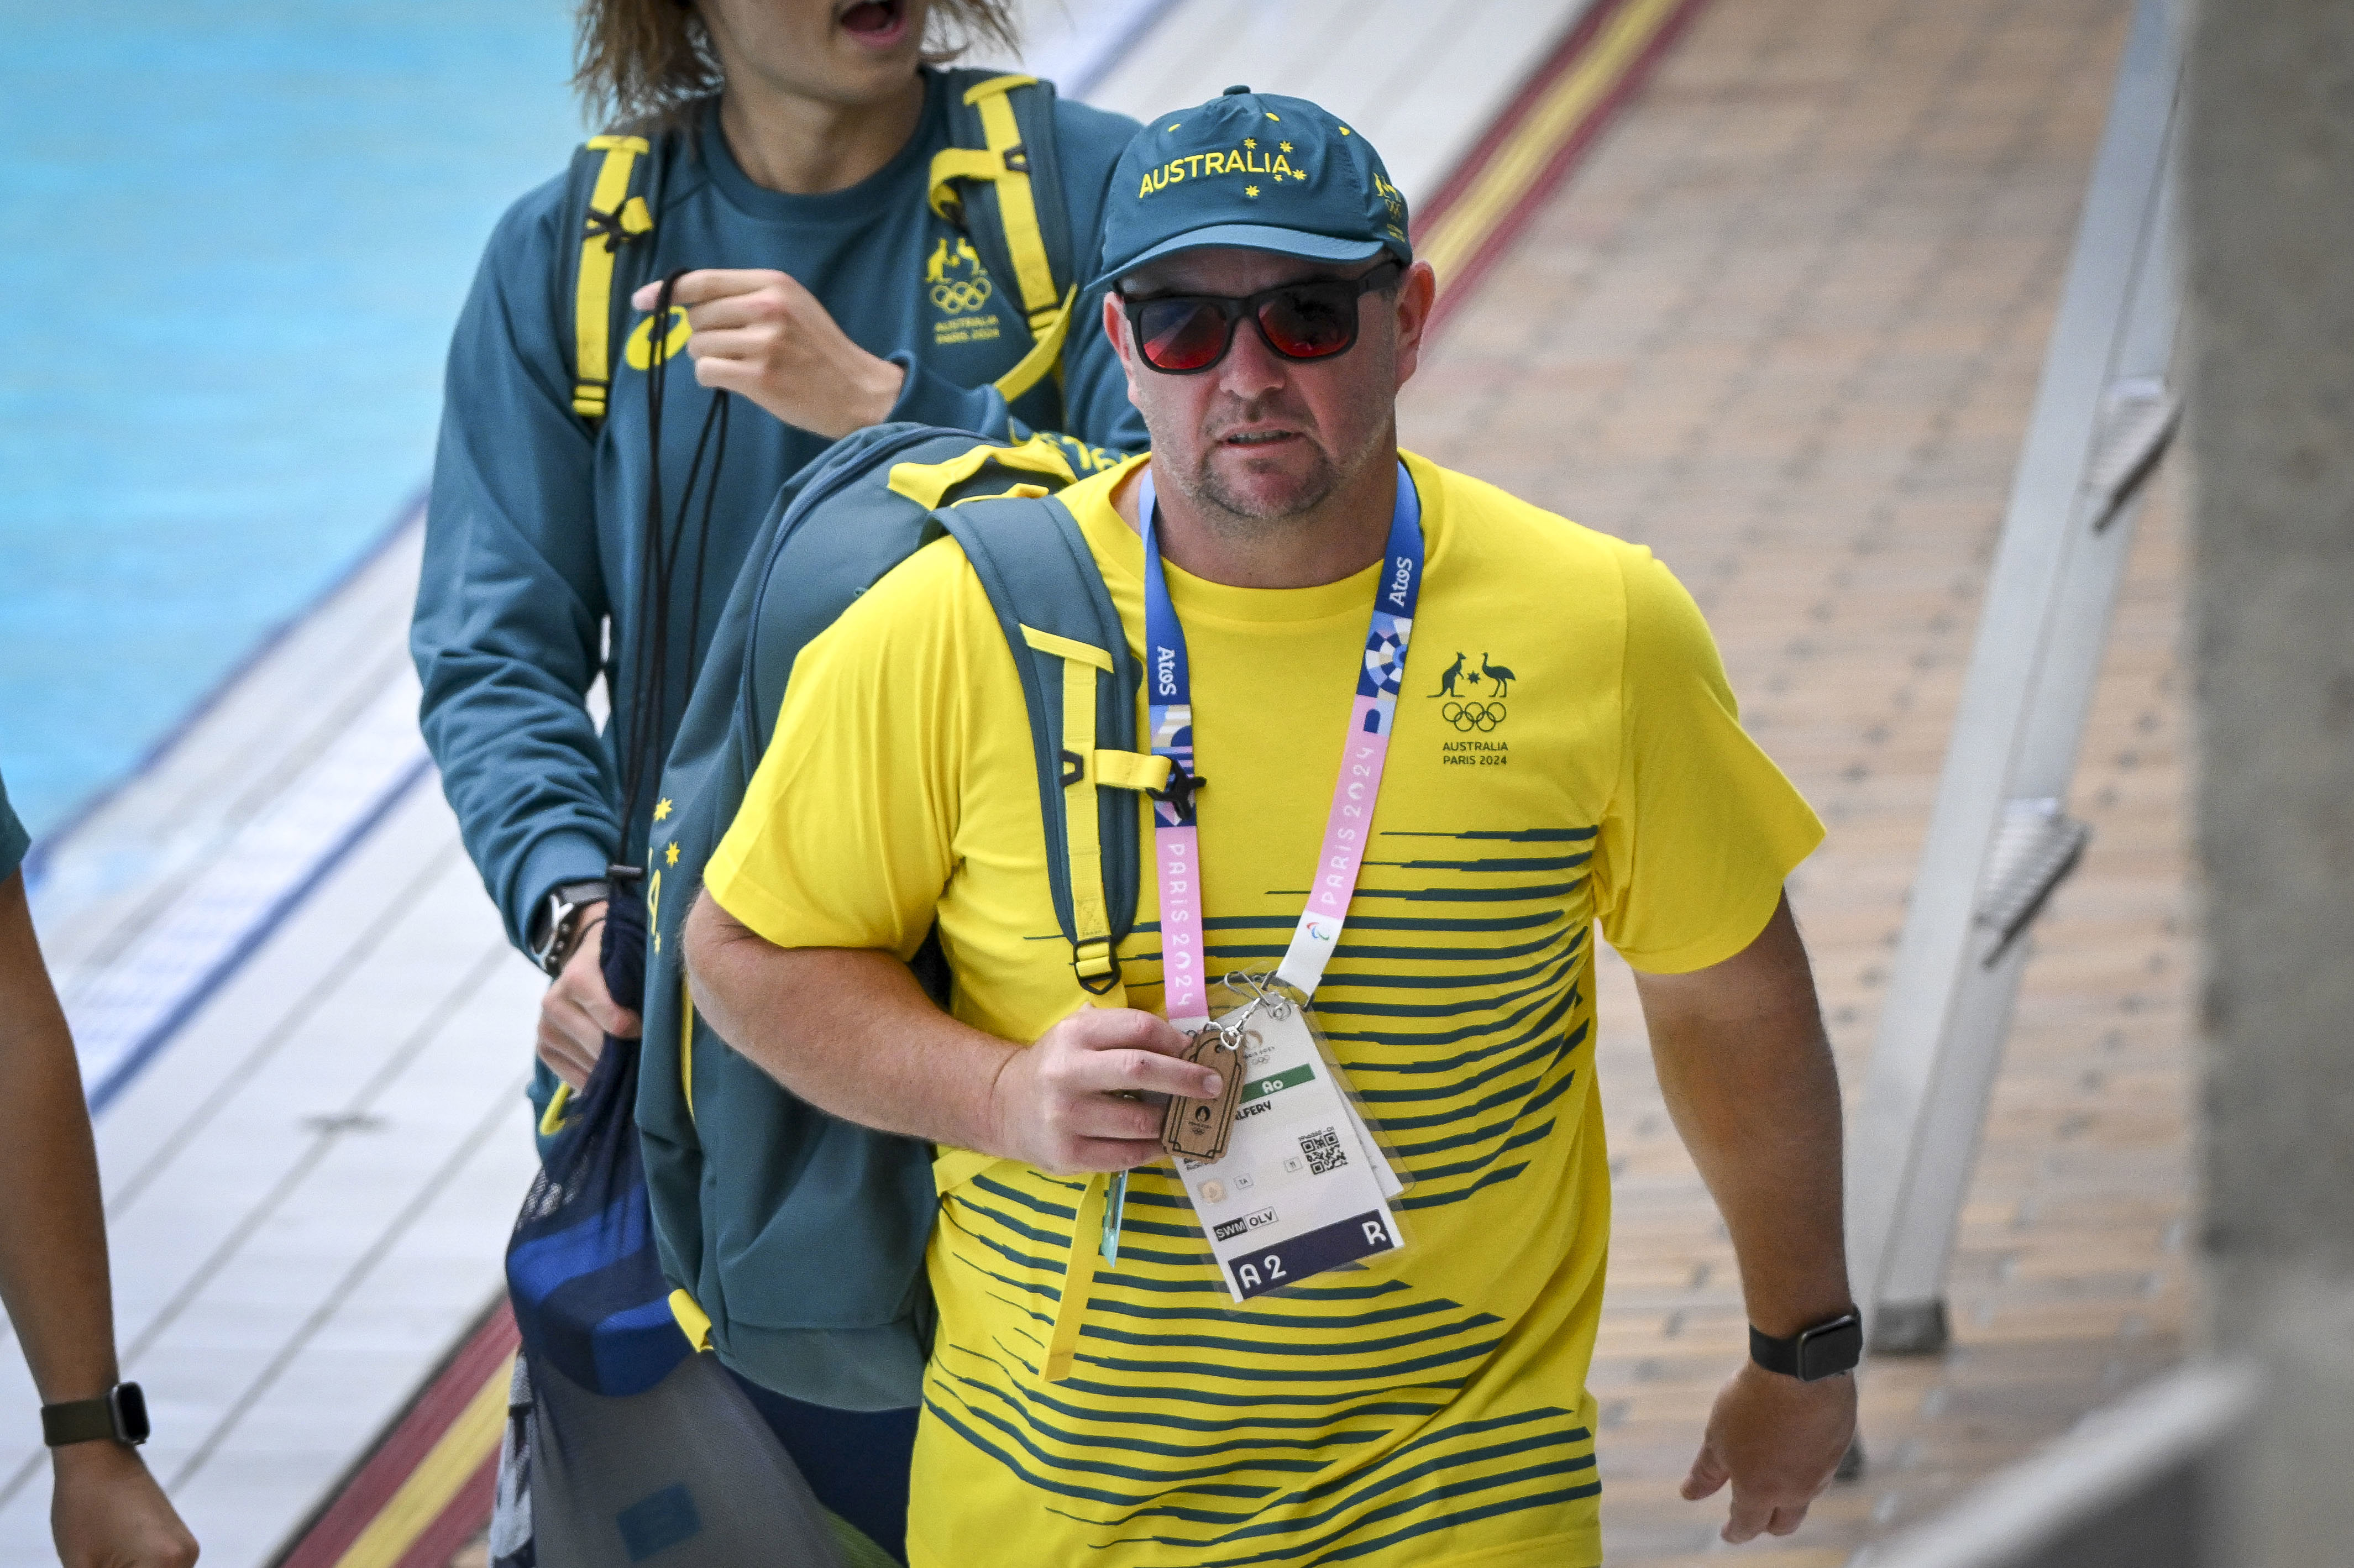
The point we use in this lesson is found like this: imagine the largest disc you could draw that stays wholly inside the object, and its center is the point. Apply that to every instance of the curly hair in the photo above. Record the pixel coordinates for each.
(643, 62)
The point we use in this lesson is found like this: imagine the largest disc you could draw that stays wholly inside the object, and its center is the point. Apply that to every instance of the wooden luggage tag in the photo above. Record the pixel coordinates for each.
(1198, 1129)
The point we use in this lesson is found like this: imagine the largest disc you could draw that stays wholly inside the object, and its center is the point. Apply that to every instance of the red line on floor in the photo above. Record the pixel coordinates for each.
(428, 1417)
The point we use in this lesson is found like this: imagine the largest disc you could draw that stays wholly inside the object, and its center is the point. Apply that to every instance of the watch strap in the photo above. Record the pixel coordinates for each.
(1824, 1350)
(120, 1415)
(550, 938)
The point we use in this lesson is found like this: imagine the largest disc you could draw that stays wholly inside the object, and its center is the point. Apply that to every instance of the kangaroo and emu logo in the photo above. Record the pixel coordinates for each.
(1466, 709)
(956, 283)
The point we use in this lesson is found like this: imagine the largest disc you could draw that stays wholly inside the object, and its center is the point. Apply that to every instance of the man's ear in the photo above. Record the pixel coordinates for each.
(1115, 327)
(1418, 293)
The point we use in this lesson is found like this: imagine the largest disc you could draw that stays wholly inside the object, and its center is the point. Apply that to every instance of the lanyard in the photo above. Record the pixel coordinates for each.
(1175, 836)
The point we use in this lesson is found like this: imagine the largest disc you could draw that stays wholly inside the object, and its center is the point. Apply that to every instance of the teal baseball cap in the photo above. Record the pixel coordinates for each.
(1254, 172)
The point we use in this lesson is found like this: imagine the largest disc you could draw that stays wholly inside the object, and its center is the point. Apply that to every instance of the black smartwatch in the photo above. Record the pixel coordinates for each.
(552, 927)
(119, 1414)
(1827, 1349)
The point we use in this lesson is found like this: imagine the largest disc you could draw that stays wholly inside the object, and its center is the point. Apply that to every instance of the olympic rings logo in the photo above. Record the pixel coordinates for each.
(960, 296)
(1469, 716)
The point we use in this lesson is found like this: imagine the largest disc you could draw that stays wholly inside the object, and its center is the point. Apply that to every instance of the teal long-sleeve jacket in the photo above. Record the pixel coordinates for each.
(535, 522)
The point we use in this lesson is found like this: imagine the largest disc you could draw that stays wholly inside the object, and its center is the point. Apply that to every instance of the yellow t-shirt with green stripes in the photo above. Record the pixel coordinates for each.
(1566, 752)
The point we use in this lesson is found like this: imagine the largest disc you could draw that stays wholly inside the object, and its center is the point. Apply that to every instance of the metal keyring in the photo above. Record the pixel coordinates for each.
(1262, 988)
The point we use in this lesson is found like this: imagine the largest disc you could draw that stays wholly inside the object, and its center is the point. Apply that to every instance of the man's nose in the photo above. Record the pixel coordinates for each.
(1251, 370)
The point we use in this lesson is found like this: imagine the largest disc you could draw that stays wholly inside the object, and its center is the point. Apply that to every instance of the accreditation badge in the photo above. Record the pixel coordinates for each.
(1302, 1186)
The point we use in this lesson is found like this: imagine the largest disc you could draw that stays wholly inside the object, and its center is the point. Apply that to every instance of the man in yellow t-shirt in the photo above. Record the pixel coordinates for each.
(1563, 754)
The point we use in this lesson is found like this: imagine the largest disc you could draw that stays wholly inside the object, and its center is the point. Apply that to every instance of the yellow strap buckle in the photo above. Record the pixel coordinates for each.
(950, 164)
(1093, 962)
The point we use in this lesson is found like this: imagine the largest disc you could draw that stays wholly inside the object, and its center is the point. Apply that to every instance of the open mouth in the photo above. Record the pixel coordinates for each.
(877, 24)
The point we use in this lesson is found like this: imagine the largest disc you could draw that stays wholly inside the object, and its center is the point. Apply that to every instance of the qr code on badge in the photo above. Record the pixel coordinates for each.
(1323, 1151)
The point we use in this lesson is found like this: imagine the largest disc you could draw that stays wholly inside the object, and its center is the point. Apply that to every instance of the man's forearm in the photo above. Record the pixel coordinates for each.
(848, 1029)
(1749, 1080)
(53, 1272)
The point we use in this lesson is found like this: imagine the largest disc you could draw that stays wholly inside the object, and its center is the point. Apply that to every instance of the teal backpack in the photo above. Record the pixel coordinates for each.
(795, 1240)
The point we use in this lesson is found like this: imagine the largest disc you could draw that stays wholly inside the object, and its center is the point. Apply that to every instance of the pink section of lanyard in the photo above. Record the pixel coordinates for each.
(1180, 851)
(1353, 794)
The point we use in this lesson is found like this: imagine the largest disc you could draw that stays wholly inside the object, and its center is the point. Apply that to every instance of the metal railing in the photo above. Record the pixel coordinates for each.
(1999, 836)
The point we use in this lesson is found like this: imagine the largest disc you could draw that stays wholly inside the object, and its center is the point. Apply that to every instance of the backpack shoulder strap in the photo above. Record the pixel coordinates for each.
(607, 215)
(1002, 181)
(1080, 684)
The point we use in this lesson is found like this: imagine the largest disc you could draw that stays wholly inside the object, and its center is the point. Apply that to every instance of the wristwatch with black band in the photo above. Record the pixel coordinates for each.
(119, 1414)
(555, 922)
(1827, 1349)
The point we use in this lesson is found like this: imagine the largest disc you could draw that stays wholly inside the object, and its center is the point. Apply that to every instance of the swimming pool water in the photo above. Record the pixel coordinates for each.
(233, 239)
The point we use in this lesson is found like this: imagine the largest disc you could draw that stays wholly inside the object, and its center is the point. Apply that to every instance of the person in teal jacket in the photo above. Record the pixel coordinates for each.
(794, 141)
(795, 192)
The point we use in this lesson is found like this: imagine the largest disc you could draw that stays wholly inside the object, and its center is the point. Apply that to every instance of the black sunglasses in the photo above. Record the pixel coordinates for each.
(1182, 335)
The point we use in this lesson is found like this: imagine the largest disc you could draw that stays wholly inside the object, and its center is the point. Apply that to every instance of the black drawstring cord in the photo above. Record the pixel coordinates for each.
(658, 556)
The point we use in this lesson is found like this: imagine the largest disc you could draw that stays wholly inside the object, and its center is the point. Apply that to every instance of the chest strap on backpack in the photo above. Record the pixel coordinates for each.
(614, 219)
(1084, 771)
(1005, 165)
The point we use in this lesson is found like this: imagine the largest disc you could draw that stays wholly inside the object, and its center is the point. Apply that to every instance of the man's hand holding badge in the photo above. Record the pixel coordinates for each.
(1070, 1103)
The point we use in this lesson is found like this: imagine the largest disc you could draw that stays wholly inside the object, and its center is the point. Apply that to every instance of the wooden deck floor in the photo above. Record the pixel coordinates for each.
(1785, 328)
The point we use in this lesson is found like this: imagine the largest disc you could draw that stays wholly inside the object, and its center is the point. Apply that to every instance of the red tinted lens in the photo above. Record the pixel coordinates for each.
(1310, 322)
(1181, 335)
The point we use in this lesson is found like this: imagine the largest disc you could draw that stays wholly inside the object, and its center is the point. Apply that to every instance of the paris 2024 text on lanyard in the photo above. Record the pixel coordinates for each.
(1284, 1175)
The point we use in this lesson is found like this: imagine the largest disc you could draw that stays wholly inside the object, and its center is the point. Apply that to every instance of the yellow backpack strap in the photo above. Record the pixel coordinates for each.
(1003, 163)
(686, 1041)
(1085, 770)
(1045, 355)
(1079, 685)
(928, 483)
(1096, 964)
(1078, 1278)
(614, 217)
